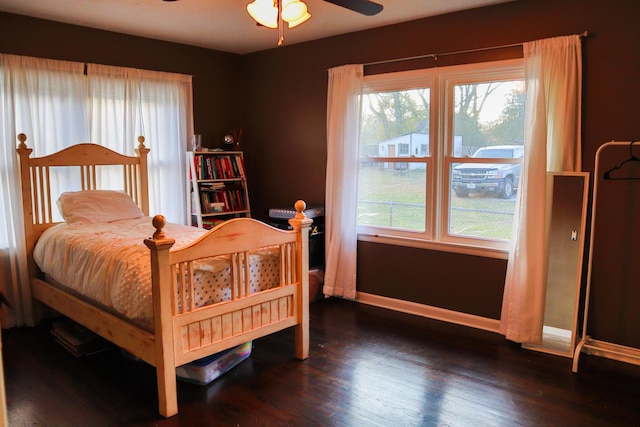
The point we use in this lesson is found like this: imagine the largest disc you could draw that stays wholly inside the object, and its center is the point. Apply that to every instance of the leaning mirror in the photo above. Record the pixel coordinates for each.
(566, 221)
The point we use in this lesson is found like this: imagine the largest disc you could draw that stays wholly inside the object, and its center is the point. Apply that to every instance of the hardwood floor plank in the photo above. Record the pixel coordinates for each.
(367, 367)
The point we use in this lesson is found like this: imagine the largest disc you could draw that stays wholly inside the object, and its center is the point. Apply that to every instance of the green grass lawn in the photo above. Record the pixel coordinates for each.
(397, 199)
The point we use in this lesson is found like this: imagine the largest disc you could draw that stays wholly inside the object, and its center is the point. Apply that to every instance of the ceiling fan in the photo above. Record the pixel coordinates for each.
(365, 7)
(274, 13)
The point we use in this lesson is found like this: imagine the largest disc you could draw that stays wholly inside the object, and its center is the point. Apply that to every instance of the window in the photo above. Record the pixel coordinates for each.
(440, 155)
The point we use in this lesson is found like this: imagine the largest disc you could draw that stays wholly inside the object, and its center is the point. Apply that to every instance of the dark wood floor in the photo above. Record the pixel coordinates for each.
(368, 367)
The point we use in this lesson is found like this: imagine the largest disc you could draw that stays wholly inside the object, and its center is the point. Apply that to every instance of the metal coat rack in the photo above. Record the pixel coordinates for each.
(588, 344)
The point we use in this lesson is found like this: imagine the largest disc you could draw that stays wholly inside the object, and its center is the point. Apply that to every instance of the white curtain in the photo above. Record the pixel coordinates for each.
(22, 110)
(126, 103)
(343, 136)
(58, 104)
(553, 73)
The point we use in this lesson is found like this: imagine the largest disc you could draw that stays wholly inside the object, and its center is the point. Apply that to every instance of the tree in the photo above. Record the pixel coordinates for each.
(509, 127)
(391, 114)
(469, 101)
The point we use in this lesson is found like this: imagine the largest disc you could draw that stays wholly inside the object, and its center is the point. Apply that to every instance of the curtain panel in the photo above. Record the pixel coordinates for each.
(343, 135)
(553, 75)
(58, 104)
(126, 103)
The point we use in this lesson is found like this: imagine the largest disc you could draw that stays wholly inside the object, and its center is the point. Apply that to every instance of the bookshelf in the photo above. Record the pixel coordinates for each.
(218, 187)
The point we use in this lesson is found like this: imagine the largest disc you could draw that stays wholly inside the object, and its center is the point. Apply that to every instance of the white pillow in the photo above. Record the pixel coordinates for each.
(95, 206)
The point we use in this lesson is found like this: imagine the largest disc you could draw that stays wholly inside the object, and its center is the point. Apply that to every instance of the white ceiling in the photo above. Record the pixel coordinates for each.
(225, 24)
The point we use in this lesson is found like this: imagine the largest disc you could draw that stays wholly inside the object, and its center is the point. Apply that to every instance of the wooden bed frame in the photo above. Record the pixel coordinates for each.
(181, 334)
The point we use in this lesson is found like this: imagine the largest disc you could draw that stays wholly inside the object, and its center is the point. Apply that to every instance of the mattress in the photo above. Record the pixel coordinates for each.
(108, 263)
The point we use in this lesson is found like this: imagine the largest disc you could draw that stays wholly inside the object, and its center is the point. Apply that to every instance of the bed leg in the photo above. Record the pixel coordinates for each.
(167, 394)
(302, 342)
(302, 328)
(161, 282)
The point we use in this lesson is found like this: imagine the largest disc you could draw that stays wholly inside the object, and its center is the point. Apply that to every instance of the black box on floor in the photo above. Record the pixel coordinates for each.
(316, 241)
(279, 218)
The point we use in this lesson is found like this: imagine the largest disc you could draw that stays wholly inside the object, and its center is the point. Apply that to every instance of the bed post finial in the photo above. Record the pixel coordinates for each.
(300, 206)
(141, 142)
(22, 138)
(159, 222)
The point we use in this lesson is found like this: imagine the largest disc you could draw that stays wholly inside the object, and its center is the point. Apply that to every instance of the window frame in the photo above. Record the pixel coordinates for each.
(441, 83)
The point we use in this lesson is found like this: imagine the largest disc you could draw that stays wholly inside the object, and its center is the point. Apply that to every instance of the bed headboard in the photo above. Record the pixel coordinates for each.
(38, 202)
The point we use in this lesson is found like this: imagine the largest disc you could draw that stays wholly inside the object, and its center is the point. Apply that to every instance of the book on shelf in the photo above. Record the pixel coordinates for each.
(219, 167)
(240, 163)
(231, 199)
(204, 186)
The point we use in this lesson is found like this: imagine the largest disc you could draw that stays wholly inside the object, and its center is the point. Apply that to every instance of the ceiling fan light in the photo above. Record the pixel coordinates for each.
(293, 10)
(264, 12)
(300, 21)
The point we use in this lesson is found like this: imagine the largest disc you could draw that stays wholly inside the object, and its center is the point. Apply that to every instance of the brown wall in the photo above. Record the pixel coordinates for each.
(279, 98)
(286, 119)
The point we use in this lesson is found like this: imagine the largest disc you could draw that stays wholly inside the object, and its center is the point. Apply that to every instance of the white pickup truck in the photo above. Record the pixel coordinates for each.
(500, 179)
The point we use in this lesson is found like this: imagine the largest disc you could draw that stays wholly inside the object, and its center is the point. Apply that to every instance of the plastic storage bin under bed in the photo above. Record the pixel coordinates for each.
(205, 370)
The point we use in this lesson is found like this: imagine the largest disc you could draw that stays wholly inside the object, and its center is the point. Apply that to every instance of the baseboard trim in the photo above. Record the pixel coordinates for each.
(450, 316)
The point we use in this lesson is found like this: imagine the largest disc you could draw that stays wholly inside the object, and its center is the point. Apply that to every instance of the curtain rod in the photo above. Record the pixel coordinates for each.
(436, 55)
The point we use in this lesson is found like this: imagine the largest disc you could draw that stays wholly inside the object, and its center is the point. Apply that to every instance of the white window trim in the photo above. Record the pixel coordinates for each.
(439, 81)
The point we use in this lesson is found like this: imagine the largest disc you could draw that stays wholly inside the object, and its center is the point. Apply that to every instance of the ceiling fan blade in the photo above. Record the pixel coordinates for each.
(364, 7)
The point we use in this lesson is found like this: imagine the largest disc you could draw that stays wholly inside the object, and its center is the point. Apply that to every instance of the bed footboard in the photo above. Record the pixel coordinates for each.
(184, 333)
(223, 326)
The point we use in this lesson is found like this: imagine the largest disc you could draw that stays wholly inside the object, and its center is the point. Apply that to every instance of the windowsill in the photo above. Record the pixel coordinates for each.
(435, 246)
